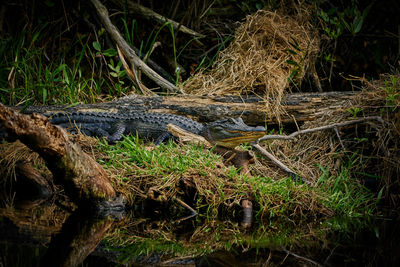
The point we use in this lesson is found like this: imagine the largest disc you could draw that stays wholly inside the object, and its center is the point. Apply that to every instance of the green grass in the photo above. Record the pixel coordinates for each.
(31, 73)
(130, 160)
(158, 160)
(44, 64)
(286, 213)
(347, 196)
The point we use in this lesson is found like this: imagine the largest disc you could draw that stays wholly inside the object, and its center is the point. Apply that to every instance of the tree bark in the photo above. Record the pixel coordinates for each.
(83, 179)
(299, 107)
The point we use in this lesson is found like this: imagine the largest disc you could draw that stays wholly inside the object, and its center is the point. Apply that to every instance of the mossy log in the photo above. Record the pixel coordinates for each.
(83, 179)
(299, 107)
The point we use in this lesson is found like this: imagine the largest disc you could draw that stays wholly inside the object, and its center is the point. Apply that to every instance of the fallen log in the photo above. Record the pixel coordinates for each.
(299, 107)
(83, 179)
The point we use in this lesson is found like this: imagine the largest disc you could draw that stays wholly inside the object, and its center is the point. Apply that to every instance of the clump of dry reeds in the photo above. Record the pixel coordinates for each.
(375, 145)
(269, 51)
(304, 155)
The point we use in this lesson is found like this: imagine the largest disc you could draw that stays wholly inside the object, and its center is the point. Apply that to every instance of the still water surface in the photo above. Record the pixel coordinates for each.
(46, 235)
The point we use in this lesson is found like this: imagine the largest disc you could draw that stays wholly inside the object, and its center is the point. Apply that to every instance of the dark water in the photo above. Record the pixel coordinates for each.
(48, 236)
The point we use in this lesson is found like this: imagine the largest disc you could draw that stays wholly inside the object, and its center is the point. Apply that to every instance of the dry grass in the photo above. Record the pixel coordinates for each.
(256, 62)
(13, 153)
(304, 155)
(372, 147)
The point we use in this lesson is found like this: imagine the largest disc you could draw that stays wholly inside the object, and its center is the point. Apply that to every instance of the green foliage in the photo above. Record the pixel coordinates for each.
(392, 89)
(297, 66)
(351, 19)
(278, 204)
(329, 58)
(274, 199)
(250, 6)
(162, 160)
(337, 22)
(354, 111)
(346, 196)
(28, 76)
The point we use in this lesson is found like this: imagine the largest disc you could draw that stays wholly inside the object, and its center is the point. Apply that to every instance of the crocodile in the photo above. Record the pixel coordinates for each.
(227, 133)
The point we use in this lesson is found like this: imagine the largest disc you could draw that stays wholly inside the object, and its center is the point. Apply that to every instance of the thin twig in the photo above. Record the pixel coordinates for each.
(264, 152)
(334, 126)
(301, 257)
(338, 136)
(183, 204)
(285, 168)
(193, 211)
(132, 73)
(149, 14)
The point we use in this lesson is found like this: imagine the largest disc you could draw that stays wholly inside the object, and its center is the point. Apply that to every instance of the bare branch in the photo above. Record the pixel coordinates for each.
(149, 14)
(264, 152)
(325, 127)
(128, 51)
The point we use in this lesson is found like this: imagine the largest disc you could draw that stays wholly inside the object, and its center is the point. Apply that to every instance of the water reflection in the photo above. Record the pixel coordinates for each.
(48, 236)
(79, 236)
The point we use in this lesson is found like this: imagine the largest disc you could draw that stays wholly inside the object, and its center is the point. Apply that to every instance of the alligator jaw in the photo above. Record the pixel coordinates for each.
(231, 132)
(245, 137)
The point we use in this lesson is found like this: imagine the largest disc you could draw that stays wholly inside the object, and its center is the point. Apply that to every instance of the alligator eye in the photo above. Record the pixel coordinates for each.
(218, 128)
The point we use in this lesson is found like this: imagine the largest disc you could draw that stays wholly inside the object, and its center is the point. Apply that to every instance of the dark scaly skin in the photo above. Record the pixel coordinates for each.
(154, 126)
(150, 126)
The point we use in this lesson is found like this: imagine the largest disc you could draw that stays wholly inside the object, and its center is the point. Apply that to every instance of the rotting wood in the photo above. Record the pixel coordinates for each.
(83, 179)
(130, 54)
(299, 107)
(247, 207)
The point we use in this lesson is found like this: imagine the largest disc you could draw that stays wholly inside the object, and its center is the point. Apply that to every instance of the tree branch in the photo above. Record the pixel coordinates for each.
(149, 14)
(325, 127)
(134, 60)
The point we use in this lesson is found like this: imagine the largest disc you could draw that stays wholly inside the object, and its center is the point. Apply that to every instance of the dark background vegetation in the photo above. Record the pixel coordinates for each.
(48, 55)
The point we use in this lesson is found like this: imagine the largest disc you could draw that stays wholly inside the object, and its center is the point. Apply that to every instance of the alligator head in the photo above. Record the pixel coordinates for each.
(231, 132)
